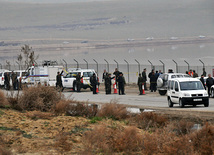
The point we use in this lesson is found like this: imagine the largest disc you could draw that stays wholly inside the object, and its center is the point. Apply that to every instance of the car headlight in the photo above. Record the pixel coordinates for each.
(205, 94)
(186, 94)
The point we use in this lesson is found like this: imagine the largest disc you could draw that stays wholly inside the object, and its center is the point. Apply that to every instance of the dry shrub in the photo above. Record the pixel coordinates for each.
(108, 140)
(203, 140)
(61, 107)
(181, 127)
(61, 143)
(35, 115)
(149, 121)
(39, 98)
(3, 99)
(114, 111)
(82, 109)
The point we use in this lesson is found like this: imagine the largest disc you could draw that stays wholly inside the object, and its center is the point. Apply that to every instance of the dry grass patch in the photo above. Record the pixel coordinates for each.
(114, 111)
(35, 115)
(149, 121)
(112, 139)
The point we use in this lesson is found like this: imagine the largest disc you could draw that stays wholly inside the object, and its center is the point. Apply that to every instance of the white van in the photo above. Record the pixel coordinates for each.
(186, 91)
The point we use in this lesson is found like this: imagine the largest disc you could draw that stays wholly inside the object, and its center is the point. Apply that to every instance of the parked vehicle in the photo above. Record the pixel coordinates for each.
(162, 81)
(2, 73)
(186, 91)
(69, 80)
(45, 74)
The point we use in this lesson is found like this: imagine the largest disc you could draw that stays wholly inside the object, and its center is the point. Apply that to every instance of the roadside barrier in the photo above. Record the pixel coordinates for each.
(97, 89)
(115, 87)
(143, 89)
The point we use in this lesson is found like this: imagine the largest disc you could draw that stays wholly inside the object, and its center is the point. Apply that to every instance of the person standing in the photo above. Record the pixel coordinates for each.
(105, 74)
(190, 73)
(195, 74)
(204, 72)
(14, 80)
(78, 81)
(140, 83)
(108, 83)
(153, 82)
(121, 83)
(150, 75)
(94, 82)
(59, 80)
(144, 76)
(7, 81)
(116, 73)
(202, 81)
(209, 83)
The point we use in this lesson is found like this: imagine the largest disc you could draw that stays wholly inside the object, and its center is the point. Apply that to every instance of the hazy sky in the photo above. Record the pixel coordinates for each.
(50, 1)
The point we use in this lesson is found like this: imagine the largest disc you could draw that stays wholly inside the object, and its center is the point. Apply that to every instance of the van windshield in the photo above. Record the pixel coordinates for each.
(191, 85)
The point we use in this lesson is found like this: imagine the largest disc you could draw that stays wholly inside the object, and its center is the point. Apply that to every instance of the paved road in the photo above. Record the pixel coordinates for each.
(150, 100)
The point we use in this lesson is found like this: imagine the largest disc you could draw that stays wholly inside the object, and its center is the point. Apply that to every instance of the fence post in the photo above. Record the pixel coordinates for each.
(127, 68)
(86, 63)
(107, 64)
(202, 63)
(138, 66)
(176, 65)
(77, 63)
(152, 66)
(1, 65)
(66, 65)
(163, 66)
(187, 64)
(97, 65)
(18, 65)
(117, 64)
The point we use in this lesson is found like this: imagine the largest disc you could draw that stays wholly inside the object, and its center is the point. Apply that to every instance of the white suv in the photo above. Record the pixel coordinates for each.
(186, 91)
(69, 80)
(162, 81)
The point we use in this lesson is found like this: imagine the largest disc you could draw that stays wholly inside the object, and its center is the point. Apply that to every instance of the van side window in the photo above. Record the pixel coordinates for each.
(171, 85)
(176, 86)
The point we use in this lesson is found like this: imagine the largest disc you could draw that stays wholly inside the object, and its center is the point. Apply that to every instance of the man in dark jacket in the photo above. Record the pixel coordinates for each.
(202, 81)
(140, 83)
(108, 83)
(7, 81)
(14, 80)
(209, 83)
(94, 82)
(121, 83)
(144, 76)
(153, 82)
(150, 74)
(78, 81)
(59, 80)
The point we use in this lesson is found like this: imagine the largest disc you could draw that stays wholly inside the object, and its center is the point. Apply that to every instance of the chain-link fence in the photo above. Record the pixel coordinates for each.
(130, 71)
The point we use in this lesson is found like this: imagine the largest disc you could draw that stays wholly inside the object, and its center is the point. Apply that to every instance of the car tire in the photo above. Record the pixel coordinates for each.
(170, 104)
(181, 103)
(212, 93)
(206, 104)
(162, 92)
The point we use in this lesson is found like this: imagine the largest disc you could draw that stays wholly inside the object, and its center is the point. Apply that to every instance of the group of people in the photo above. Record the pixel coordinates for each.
(15, 83)
(119, 81)
(153, 76)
